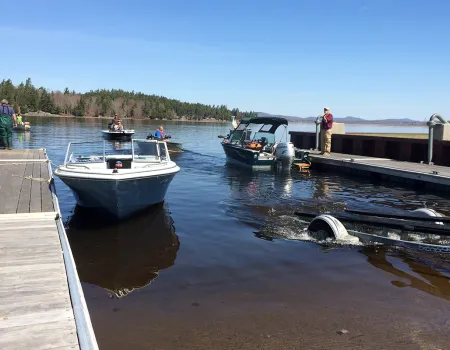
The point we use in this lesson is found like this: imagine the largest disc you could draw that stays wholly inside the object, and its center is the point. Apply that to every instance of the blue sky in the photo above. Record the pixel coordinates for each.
(376, 59)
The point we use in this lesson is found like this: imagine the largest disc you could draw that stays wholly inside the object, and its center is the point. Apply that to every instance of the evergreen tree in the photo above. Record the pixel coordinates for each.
(45, 101)
(26, 98)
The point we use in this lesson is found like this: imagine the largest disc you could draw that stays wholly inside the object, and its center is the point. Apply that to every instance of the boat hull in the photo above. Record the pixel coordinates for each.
(173, 147)
(245, 157)
(121, 198)
(115, 135)
(22, 128)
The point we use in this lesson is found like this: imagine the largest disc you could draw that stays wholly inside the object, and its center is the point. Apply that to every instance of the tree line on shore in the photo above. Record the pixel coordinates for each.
(27, 98)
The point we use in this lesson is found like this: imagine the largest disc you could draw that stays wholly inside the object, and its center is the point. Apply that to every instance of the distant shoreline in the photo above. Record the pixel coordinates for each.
(366, 123)
(214, 121)
(49, 115)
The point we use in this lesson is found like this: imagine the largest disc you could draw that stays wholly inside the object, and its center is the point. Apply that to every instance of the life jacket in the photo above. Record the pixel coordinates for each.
(255, 145)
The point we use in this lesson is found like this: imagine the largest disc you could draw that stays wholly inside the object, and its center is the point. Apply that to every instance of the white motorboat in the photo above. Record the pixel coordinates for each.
(117, 134)
(122, 182)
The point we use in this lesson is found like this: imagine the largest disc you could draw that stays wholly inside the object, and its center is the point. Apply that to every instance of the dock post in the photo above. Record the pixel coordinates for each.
(318, 121)
(431, 123)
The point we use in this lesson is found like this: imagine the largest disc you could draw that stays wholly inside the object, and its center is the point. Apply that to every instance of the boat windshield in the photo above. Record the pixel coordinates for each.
(101, 151)
(265, 134)
(150, 151)
(85, 152)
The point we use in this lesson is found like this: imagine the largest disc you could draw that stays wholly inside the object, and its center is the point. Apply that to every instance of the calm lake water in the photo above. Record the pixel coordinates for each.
(222, 264)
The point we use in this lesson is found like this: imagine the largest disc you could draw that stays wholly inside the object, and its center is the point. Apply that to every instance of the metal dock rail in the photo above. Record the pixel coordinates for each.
(42, 304)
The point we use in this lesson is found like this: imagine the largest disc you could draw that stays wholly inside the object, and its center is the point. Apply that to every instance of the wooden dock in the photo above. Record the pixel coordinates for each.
(39, 290)
(430, 176)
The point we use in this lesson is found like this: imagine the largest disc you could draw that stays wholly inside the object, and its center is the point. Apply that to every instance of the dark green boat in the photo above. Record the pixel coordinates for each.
(252, 143)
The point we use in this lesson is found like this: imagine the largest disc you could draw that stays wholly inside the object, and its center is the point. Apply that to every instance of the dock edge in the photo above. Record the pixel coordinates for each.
(85, 331)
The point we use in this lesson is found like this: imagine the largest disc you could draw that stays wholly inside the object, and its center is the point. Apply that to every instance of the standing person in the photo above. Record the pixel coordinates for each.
(325, 132)
(19, 119)
(7, 122)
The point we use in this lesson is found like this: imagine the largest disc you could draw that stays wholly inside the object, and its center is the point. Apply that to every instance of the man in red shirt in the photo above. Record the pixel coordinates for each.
(325, 132)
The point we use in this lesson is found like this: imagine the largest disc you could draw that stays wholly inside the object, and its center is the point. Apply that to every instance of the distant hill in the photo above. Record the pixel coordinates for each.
(347, 120)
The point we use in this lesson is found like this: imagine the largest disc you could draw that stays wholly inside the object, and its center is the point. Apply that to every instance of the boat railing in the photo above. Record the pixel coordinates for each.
(86, 152)
(150, 151)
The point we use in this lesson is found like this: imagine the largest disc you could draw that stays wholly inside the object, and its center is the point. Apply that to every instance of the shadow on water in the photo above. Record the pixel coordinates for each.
(427, 273)
(121, 257)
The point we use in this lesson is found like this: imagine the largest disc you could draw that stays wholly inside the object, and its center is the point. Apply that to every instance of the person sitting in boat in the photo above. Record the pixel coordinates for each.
(19, 119)
(160, 132)
(118, 126)
(114, 125)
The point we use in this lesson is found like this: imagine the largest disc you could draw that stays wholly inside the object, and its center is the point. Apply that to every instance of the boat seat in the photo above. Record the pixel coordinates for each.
(126, 163)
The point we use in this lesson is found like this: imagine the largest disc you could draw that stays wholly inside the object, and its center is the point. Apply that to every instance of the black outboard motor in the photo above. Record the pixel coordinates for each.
(151, 137)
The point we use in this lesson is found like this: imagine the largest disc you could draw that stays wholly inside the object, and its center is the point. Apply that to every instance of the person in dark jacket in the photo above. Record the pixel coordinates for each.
(7, 122)
(325, 132)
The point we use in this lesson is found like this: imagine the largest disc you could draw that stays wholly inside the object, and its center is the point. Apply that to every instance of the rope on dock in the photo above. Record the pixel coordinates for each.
(40, 179)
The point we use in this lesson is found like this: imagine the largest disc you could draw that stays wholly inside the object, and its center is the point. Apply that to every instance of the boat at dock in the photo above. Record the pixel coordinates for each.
(253, 143)
(117, 135)
(23, 127)
(120, 182)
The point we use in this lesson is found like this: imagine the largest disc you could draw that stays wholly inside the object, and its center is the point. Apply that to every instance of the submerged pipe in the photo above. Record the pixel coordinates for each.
(431, 123)
(402, 224)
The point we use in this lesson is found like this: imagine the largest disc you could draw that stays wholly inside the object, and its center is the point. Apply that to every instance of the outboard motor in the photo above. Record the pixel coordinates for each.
(285, 153)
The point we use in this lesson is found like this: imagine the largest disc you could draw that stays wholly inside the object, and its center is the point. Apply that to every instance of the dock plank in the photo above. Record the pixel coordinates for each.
(47, 200)
(36, 194)
(11, 187)
(35, 303)
(36, 309)
(51, 335)
(25, 191)
(24, 185)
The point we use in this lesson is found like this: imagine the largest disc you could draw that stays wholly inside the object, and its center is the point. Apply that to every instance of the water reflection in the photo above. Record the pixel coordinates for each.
(125, 256)
(251, 184)
(427, 276)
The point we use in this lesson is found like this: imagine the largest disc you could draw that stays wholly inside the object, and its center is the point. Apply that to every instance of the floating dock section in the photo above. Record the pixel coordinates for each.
(42, 305)
(416, 174)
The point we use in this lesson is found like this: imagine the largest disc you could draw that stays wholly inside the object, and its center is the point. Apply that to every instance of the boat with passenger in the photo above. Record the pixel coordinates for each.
(173, 146)
(253, 143)
(120, 182)
(116, 130)
(24, 126)
(122, 135)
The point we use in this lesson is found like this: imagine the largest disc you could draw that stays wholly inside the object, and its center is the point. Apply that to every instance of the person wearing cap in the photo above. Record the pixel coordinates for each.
(7, 122)
(325, 132)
